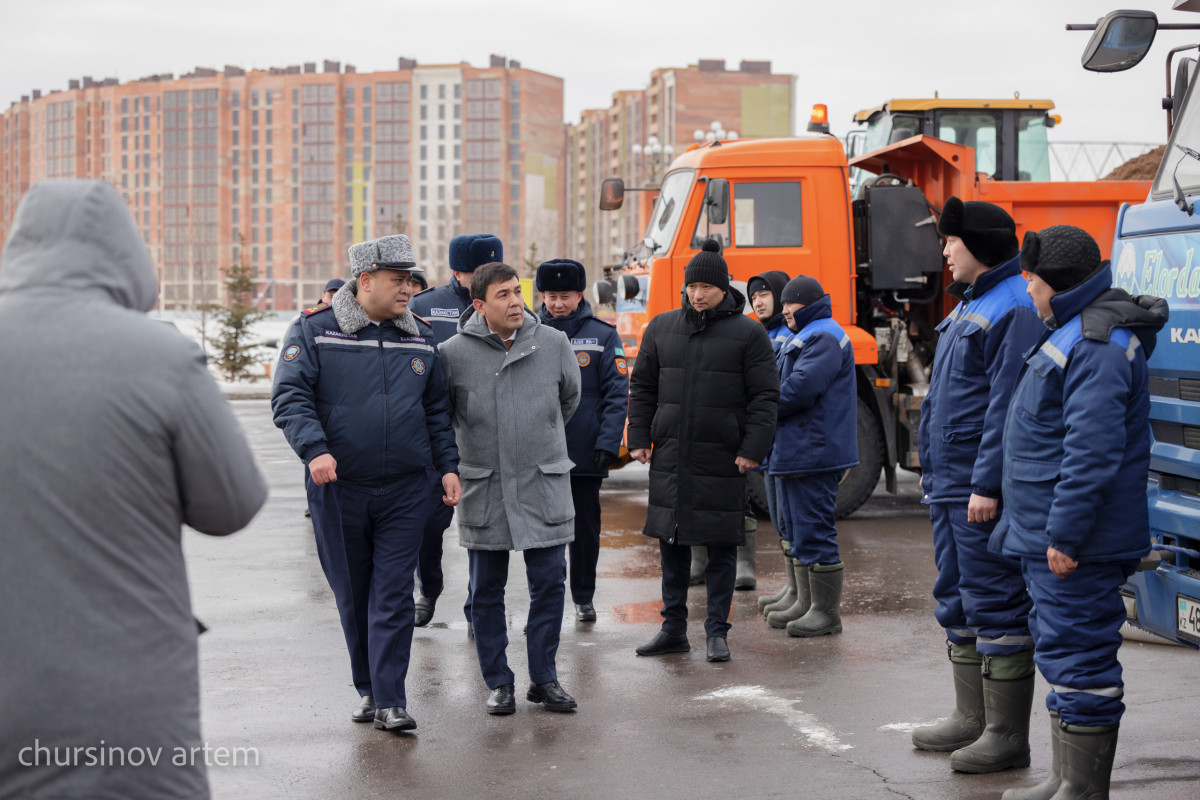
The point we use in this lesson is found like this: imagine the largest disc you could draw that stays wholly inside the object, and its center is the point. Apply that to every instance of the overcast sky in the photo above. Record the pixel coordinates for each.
(849, 55)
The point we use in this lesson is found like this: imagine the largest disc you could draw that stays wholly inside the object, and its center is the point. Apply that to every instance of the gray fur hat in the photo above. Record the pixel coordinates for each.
(387, 252)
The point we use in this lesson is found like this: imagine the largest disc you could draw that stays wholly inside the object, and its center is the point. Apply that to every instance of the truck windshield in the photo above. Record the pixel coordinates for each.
(668, 209)
(1176, 163)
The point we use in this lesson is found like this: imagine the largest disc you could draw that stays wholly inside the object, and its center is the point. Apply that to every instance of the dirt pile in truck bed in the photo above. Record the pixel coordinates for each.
(1140, 168)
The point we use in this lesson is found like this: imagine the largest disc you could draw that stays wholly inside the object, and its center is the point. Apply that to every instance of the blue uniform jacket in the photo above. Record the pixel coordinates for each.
(599, 421)
(817, 428)
(979, 355)
(777, 332)
(1077, 439)
(375, 399)
(442, 306)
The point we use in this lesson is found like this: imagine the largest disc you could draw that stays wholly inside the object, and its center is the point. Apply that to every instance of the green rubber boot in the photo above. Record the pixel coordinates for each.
(1007, 699)
(747, 558)
(771, 602)
(824, 615)
(965, 723)
(1086, 759)
(699, 564)
(803, 601)
(1046, 789)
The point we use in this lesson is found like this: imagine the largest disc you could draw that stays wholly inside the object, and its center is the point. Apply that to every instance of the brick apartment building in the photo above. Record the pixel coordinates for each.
(752, 101)
(299, 164)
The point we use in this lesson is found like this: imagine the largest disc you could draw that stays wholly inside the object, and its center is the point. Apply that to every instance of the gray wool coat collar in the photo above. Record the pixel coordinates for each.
(351, 317)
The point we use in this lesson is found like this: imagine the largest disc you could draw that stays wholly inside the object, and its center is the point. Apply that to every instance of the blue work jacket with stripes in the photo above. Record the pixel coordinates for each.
(1077, 438)
(441, 307)
(817, 427)
(599, 421)
(371, 395)
(979, 355)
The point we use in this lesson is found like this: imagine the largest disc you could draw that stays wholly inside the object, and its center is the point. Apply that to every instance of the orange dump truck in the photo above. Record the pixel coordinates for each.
(787, 204)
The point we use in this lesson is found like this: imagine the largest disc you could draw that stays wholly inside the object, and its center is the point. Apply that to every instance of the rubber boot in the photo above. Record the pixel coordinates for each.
(747, 557)
(781, 618)
(1046, 789)
(965, 723)
(1086, 759)
(825, 614)
(774, 602)
(1007, 699)
(699, 565)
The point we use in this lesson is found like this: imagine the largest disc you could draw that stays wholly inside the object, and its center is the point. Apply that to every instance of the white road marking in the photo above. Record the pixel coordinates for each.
(804, 723)
(908, 727)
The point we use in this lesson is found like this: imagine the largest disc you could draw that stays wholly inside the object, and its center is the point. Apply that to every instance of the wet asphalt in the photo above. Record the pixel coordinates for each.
(816, 718)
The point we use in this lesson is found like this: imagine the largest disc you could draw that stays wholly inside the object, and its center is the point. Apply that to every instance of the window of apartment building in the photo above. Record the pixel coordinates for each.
(424, 193)
(269, 96)
(458, 111)
(236, 138)
(236, 215)
(295, 257)
(366, 96)
(295, 136)
(349, 95)
(254, 254)
(441, 192)
(254, 215)
(457, 152)
(254, 234)
(349, 112)
(295, 115)
(295, 155)
(295, 197)
(423, 132)
(254, 117)
(424, 92)
(441, 172)
(269, 237)
(441, 131)
(366, 133)
(235, 192)
(458, 131)
(349, 153)
(366, 195)
(424, 212)
(349, 174)
(457, 91)
(367, 173)
(366, 115)
(515, 171)
(457, 191)
(366, 151)
(236, 155)
(237, 97)
(349, 194)
(270, 159)
(254, 97)
(236, 117)
(441, 152)
(514, 151)
(254, 195)
(254, 176)
(146, 141)
(514, 90)
(441, 91)
(424, 152)
(270, 178)
(254, 156)
(295, 95)
(515, 191)
(270, 217)
(424, 110)
(270, 114)
(254, 136)
(514, 109)
(424, 175)
(457, 172)
(442, 111)
(515, 132)
(349, 134)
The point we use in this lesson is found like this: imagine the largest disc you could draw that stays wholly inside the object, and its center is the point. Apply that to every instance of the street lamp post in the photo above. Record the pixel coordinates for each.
(716, 131)
(651, 158)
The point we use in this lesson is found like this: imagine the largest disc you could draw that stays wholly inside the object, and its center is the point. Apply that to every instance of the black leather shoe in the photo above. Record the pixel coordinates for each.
(365, 711)
(552, 696)
(502, 700)
(718, 650)
(394, 719)
(424, 610)
(585, 612)
(664, 642)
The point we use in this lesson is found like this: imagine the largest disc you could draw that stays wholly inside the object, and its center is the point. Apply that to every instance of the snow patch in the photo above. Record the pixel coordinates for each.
(758, 698)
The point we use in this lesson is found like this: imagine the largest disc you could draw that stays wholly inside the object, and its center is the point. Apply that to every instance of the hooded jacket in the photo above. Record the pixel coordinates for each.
(115, 435)
(777, 329)
(373, 396)
(510, 409)
(980, 352)
(599, 421)
(703, 392)
(1077, 437)
(817, 430)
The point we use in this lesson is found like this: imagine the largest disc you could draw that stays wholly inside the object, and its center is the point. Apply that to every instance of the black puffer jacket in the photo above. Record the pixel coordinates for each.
(704, 391)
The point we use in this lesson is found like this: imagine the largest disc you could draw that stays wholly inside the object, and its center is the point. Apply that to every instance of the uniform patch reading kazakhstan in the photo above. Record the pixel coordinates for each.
(585, 341)
(583, 358)
(444, 312)
(418, 366)
(340, 335)
(291, 352)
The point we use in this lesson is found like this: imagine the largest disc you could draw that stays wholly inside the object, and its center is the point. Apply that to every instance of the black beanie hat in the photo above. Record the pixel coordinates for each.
(802, 289)
(986, 229)
(561, 275)
(707, 266)
(1061, 255)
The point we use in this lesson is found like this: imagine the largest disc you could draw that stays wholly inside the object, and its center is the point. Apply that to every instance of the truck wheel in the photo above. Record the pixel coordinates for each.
(859, 482)
(757, 494)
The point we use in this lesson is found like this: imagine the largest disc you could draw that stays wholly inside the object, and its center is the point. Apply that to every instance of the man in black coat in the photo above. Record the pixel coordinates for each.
(704, 393)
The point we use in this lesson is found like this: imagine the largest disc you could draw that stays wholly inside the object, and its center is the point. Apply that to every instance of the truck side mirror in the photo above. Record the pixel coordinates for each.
(1121, 41)
(612, 194)
(716, 200)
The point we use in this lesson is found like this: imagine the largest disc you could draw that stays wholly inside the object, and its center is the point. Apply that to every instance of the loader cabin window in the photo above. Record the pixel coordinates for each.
(764, 215)
(975, 129)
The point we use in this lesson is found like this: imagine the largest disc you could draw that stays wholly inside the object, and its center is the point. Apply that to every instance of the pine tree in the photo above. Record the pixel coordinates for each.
(233, 350)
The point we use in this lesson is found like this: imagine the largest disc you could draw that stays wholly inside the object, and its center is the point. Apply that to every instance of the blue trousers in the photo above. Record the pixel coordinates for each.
(1076, 623)
(981, 596)
(718, 578)
(809, 509)
(585, 549)
(368, 546)
(437, 519)
(546, 572)
(772, 490)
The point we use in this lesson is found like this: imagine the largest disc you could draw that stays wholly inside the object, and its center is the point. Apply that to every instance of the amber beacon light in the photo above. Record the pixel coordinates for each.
(819, 121)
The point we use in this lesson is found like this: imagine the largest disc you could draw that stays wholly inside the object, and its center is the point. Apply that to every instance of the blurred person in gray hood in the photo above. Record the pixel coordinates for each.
(115, 435)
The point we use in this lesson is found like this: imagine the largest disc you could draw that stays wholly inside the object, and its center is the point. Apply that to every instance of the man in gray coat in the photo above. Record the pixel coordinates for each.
(114, 436)
(514, 383)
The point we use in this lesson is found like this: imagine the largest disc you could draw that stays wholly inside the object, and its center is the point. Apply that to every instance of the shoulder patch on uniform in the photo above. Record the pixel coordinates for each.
(291, 352)
(308, 312)
(583, 358)
(420, 318)
(622, 366)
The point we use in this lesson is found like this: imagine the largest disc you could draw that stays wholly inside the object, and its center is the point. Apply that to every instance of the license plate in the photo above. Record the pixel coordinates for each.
(1188, 623)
